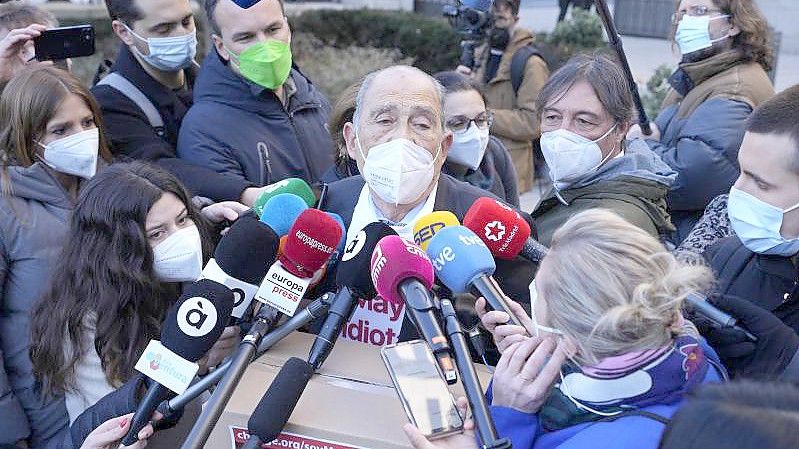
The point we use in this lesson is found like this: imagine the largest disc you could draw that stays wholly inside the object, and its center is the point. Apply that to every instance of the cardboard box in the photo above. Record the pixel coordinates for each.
(349, 403)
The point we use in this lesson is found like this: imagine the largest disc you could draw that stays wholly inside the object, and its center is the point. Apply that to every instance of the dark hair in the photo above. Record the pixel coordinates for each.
(602, 74)
(777, 115)
(15, 15)
(343, 111)
(743, 415)
(125, 11)
(458, 82)
(106, 271)
(512, 4)
(753, 40)
(210, 14)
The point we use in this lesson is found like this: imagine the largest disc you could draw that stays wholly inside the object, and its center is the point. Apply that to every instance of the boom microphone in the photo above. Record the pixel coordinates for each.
(503, 230)
(192, 326)
(462, 260)
(241, 260)
(294, 186)
(281, 397)
(402, 272)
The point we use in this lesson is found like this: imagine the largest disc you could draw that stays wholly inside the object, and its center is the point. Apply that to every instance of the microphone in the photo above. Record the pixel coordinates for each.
(426, 227)
(699, 305)
(462, 260)
(401, 271)
(311, 241)
(281, 211)
(241, 260)
(192, 326)
(503, 230)
(282, 396)
(353, 278)
(294, 186)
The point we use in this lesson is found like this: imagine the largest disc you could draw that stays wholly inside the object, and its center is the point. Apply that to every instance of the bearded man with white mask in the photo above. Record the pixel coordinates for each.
(399, 142)
(586, 110)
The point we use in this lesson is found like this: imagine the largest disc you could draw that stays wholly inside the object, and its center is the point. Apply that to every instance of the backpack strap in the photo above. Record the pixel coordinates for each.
(635, 412)
(518, 62)
(126, 88)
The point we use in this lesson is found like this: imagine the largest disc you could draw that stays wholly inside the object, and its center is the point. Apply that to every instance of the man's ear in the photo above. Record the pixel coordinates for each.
(446, 144)
(123, 33)
(220, 47)
(349, 139)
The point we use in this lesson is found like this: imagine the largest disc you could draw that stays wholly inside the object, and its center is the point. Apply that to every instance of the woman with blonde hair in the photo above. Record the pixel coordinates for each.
(610, 336)
(50, 142)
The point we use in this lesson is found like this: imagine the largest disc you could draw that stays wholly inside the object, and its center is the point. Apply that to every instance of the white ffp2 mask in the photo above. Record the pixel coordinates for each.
(398, 171)
(74, 155)
(179, 258)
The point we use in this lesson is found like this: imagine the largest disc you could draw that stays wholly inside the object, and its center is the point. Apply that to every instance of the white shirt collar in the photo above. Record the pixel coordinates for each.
(366, 211)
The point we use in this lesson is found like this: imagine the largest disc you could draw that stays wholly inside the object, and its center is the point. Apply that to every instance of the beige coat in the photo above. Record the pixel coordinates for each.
(516, 121)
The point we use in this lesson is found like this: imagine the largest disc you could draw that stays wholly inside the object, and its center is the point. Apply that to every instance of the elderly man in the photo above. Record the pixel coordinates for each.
(399, 142)
(255, 116)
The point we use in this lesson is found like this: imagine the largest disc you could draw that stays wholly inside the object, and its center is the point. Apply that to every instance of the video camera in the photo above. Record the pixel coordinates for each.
(471, 19)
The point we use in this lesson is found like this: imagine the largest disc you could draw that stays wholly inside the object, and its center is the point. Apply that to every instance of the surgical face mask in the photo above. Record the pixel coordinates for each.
(570, 155)
(179, 258)
(168, 53)
(267, 64)
(693, 33)
(758, 224)
(398, 171)
(74, 155)
(469, 147)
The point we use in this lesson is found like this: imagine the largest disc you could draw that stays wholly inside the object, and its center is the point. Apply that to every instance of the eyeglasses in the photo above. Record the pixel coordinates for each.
(694, 11)
(460, 123)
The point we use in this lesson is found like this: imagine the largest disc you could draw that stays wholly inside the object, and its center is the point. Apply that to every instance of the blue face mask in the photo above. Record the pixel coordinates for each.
(693, 33)
(758, 224)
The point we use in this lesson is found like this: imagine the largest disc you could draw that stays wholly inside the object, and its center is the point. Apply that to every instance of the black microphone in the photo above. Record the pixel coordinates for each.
(699, 305)
(353, 278)
(242, 259)
(192, 326)
(277, 404)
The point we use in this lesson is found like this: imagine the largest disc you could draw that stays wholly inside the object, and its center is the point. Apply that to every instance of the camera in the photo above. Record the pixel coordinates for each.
(471, 19)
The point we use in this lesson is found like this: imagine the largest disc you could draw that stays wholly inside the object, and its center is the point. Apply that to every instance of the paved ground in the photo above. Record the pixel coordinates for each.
(643, 54)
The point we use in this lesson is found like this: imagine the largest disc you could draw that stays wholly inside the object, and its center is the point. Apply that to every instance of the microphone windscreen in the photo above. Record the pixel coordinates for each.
(245, 3)
(395, 260)
(500, 227)
(247, 250)
(427, 226)
(459, 256)
(273, 412)
(310, 242)
(353, 271)
(281, 211)
(295, 186)
(195, 322)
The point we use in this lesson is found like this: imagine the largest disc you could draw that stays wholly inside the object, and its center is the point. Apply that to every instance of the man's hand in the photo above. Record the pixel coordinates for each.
(636, 133)
(225, 210)
(12, 50)
(494, 321)
(525, 373)
(465, 440)
(109, 433)
(223, 347)
(776, 344)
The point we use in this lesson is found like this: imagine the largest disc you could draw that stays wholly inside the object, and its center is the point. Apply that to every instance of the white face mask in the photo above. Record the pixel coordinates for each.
(570, 156)
(469, 147)
(74, 155)
(168, 53)
(757, 224)
(398, 171)
(179, 258)
(693, 33)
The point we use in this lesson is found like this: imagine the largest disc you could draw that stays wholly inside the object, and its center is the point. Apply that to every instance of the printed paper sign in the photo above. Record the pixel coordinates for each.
(282, 290)
(286, 440)
(377, 322)
(165, 367)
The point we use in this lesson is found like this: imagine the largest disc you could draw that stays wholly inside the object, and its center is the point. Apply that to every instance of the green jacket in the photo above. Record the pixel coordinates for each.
(633, 186)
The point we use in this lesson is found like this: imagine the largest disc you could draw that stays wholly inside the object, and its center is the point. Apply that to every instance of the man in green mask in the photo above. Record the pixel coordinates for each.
(255, 115)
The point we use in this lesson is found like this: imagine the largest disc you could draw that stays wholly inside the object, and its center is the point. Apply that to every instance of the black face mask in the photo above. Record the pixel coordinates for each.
(499, 38)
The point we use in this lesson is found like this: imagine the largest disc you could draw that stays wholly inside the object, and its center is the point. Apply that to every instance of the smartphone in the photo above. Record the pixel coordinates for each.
(65, 42)
(421, 389)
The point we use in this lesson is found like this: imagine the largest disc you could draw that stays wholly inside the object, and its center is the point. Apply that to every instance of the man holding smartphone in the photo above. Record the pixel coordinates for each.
(20, 24)
(143, 112)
